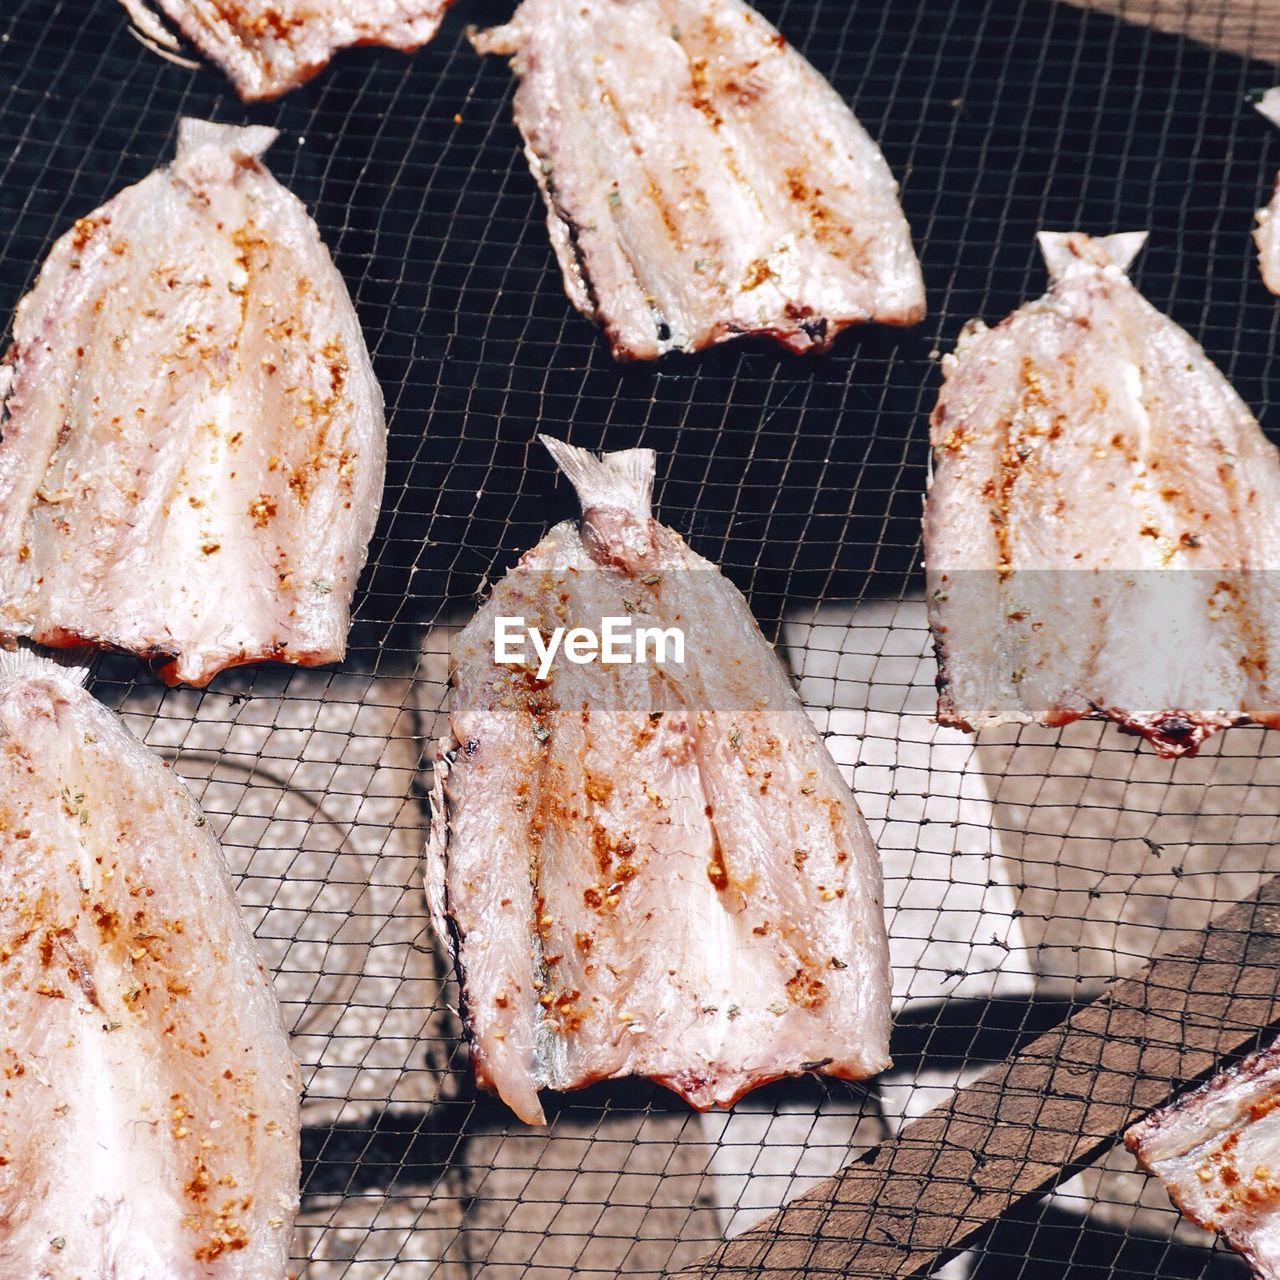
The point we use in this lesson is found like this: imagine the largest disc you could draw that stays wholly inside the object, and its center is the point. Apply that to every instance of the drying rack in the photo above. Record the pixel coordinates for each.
(1023, 870)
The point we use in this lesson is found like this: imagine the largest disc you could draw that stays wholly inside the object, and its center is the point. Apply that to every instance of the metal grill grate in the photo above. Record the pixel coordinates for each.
(1020, 872)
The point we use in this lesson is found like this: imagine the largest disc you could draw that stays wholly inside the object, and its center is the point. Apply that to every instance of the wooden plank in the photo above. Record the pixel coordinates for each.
(1025, 1126)
(1250, 28)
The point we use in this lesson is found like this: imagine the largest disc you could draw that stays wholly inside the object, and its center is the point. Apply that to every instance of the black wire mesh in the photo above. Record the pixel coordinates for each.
(1020, 873)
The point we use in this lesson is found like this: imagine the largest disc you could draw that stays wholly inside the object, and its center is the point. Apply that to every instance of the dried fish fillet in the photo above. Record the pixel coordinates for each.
(268, 47)
(648, 869)
(1267, 236)
(1217, 1151)
(1100, 531)
(193, 442)
(149, 1118)
(702, 180)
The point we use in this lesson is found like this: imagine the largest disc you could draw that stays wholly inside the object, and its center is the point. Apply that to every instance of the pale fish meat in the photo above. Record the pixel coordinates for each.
(1217, 1151)
(648, 869)
(149, 1121)
(268, 47)
(702, 180)
(193, 442)
(1100, 533)
(1267, 235)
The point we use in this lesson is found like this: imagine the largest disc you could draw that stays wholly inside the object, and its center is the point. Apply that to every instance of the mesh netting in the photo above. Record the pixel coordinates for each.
(1022, 871)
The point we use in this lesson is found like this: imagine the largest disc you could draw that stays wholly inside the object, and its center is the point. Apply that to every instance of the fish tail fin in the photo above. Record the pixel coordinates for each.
(1063, 249)
(73, 663)
(623, 479)
(506, 39)
(246, 141)
(1269, 105)
(150, 25)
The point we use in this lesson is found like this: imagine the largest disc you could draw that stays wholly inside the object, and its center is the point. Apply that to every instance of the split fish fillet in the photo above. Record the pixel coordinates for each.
(1217, 1151)
(650, 870)
(149, 1121)
(193, 443)
(702, 180)
(268, 47)
(1267, 236)
(1101, 531)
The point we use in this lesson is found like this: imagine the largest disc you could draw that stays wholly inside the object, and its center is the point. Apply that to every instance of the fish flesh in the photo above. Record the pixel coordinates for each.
(653, 868)
(1100, 531)
(1267, 235)
(702, 180)
(191, 418)
(1217, 1151)
(193, 441)
(149, 1122)
(268, 47)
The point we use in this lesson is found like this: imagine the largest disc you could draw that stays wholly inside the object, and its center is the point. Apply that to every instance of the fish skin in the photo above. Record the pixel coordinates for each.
(1217, 1152)
(685, 204)
(680, 839)
(190, 420)
(267, 47)
(1267, 234)
(1084, 450)
(150, 1110)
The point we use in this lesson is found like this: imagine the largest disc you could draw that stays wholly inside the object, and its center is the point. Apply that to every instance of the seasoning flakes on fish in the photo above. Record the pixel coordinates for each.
(702, 180)
(649, 869)
(1100, 533)
(1217, 1151)
(1267, 235)
(268, 47)
(149, 1119)
(193, 442)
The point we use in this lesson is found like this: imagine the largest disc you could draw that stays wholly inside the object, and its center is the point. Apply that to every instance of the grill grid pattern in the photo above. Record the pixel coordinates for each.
(803, 478)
